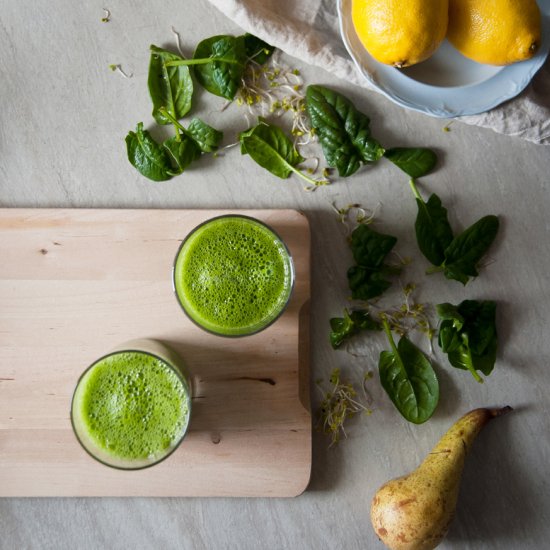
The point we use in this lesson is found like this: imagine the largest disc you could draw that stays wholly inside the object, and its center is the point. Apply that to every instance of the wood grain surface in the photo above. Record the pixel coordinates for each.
(75, 283)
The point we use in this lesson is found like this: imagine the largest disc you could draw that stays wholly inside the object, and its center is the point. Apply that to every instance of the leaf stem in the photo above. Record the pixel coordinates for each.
(469, 362)
(435, 269)
(164, 111)
(412, 184)
(387, 330)
(203, 61)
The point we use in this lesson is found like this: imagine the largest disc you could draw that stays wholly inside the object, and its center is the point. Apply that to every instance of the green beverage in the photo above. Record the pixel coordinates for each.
(233, 275)
(131, 408)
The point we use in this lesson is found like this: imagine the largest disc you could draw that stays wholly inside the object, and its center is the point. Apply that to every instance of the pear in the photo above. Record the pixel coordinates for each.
(413, 512)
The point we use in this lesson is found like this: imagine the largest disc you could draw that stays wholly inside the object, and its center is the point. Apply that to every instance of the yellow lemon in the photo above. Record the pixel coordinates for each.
(496, 32)
(400, 33)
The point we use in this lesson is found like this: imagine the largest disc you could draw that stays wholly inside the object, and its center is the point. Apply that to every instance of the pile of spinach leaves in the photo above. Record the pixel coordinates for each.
(218, 65)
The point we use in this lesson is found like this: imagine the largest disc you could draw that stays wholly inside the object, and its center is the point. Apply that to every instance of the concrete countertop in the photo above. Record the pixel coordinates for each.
(63, 121)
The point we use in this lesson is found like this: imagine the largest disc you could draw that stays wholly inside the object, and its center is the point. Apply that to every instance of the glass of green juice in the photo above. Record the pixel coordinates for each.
(233, 275)
(131, 408)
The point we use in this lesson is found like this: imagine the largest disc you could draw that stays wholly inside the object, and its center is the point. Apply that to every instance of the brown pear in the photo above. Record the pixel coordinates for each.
(413, 512)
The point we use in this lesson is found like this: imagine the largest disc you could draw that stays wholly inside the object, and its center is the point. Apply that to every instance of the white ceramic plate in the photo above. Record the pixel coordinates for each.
(447, 84)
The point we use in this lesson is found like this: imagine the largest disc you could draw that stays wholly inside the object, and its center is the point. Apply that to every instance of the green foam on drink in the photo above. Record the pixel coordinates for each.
(233, 275)
(133, 406)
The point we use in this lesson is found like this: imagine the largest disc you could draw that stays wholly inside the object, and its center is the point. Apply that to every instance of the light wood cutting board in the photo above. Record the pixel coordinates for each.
(76, 283)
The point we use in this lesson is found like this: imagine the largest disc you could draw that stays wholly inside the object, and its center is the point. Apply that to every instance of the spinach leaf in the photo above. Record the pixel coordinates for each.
(268, 145)
(219, 64)
(206, 137)
(466, 250)
(169, 86)
(183, 150)
(468, 335)
(256, 49)
(345, 327)
(343, 131)
(433, 232)
(367, 279)
(408, 378)
(147, 156)
(414, 161)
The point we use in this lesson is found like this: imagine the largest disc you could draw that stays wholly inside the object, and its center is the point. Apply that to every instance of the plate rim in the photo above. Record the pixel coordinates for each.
(527, 70)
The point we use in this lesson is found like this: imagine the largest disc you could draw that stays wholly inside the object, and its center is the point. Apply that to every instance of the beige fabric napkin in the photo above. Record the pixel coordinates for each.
(308, 30)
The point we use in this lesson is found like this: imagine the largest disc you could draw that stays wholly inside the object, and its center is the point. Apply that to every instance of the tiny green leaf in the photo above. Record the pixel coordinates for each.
(206, 137)
(343, 328)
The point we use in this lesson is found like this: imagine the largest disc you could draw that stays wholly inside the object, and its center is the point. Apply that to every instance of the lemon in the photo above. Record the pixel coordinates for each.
(496, 32)
(400, 33)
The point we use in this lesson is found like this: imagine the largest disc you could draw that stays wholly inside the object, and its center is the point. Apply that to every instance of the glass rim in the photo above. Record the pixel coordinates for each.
(181, 376)
(290, 263)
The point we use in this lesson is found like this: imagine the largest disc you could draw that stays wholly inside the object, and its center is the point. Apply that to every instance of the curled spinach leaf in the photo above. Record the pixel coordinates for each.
(408, 378)
(271, 148)
(183, 151)
(414, 161)
(468, 335)
(170, 87)
(345, 327)
(149, 158)
(206, 137)
(367, 279)
(433, 231)
(466, 250)
(343, 131)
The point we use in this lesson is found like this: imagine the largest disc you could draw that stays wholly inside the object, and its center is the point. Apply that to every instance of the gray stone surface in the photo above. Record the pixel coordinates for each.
(62, 125)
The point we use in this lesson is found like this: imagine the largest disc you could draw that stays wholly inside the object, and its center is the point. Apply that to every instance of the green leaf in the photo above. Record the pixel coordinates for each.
(369, 247)
(433, 231)
(468, 335)
(409, 379)
(219, 64)
(345, 327)
(368, 279)
(206, 137)
(147, 156)
(466, 250)
(343, 131)
(268, 145)
(365, 283)
(414, 161)
(183, 151)
(256, 49)
(169, 86)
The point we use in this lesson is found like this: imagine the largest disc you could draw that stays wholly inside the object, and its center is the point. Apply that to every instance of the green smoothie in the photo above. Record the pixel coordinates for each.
(131, 409)
(233, 275)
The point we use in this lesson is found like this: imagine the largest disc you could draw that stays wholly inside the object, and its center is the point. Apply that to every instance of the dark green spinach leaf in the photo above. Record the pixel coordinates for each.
(468, 335)
(147, 156)
(219, 64)
(345, 327)
(256, 49)
(408, 378)
(466, 250)
(206, 137)
(183, 150)
(414, 161)
(433, 232)
(169, 86)
(343, 131)
(367, 279)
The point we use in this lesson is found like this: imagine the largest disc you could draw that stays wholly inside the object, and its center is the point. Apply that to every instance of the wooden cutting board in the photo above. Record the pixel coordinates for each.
(73, 285)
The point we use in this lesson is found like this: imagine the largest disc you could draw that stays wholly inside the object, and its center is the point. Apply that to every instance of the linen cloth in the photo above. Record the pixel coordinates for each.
(309, 31)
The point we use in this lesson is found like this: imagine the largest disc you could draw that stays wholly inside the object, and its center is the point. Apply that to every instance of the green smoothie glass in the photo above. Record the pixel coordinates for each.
(233, 275)
(131, 408)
